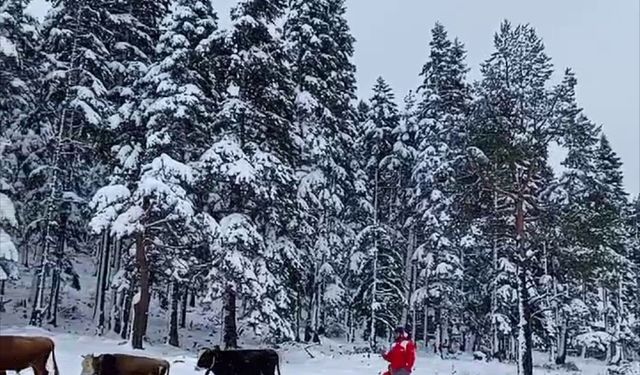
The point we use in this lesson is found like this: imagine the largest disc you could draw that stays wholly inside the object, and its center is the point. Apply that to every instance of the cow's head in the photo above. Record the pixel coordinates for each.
(207, 357)
(89, 364)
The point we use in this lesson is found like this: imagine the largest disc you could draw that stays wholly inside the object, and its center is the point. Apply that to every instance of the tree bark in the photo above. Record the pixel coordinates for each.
(173, 315)
(408, 276)
(561, 355)
(125, 319)
(183, 310)
(103, 283)
(2, 303)
(192, 299)
(525, 342)
(494, 295)
(230, 329)
(374, 287)
(142, 298)
(298, 314)
(425, 328)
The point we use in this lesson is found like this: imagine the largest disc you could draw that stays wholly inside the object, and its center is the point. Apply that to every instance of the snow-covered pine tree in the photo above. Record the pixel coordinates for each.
(134, 28)
(633, 222)
(405, 216)
(442, 110)
(18, 43)
(378, 259)
(18, 39)
(516, 119)
(248, 170)
(158, 205)
(617, 280)
(320, 68)
(73, 105)
(8, 224)
(576, 255)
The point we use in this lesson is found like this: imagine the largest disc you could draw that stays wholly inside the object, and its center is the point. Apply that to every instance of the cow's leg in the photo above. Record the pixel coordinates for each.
(39, 366)
(270, 369)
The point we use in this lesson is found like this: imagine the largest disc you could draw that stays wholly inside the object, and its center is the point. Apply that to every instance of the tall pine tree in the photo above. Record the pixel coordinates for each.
(251, 162)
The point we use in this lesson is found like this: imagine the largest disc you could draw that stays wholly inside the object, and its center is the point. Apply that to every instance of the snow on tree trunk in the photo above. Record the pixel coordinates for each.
(230, 330)
(437, 343)
(374, 286)
(525, 344)
(494, 292)
(414, 311)
(52, 308)
(141, 301)
(407, 279)
(553, 332)
(126, 311)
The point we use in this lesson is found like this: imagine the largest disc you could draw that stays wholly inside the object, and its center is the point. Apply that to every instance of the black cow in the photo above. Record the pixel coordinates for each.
(239, 362)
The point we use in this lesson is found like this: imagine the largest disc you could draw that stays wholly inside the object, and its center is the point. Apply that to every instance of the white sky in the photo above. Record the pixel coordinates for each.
(598, 39)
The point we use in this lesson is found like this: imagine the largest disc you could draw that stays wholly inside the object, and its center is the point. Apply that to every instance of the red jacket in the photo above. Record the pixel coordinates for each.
(402, 354)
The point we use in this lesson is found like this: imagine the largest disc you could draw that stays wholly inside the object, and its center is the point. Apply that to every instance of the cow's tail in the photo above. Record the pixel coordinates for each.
(53, 358)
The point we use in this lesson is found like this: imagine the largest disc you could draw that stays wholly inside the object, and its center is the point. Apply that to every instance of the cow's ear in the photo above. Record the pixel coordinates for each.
(216, 348)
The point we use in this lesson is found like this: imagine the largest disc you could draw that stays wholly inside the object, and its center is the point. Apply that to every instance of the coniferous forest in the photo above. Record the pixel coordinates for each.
(237, 168)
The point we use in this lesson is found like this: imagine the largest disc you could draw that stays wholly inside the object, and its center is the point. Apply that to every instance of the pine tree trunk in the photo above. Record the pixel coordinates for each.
(192, 299)
(350, 333)
(298, 314)
(173, 315)
(561, 356)
(494, 295)
(605, 317)
(525, 342)
(125, 318)
(37, 310)
(52, 293)
(414, 312)
(183, 310)
(2, 303)
(425, 328)
(103, 283)
(56, 300)
(553, 343)
(116, 312)
(141, 301)
(408, 275)
(230, 330)
(374, 286)
(116, 296)
(57, 273)
(96, 299)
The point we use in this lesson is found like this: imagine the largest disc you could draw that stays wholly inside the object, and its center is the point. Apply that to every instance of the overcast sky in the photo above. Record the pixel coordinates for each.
(598, 39)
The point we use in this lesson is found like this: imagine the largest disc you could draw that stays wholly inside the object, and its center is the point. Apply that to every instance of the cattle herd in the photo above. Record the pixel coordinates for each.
(18, 353)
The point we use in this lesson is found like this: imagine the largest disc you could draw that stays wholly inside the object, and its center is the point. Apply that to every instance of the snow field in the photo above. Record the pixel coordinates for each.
(294, 360)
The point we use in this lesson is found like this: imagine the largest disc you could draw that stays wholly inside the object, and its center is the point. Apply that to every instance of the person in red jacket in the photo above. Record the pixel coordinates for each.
(402, 355)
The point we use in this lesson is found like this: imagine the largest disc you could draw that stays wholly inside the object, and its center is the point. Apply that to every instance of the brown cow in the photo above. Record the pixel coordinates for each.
(123, 364)
(21, 352)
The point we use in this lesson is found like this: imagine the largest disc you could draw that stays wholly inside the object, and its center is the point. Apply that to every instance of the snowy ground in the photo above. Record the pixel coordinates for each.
(295, 361)
(75, 337)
